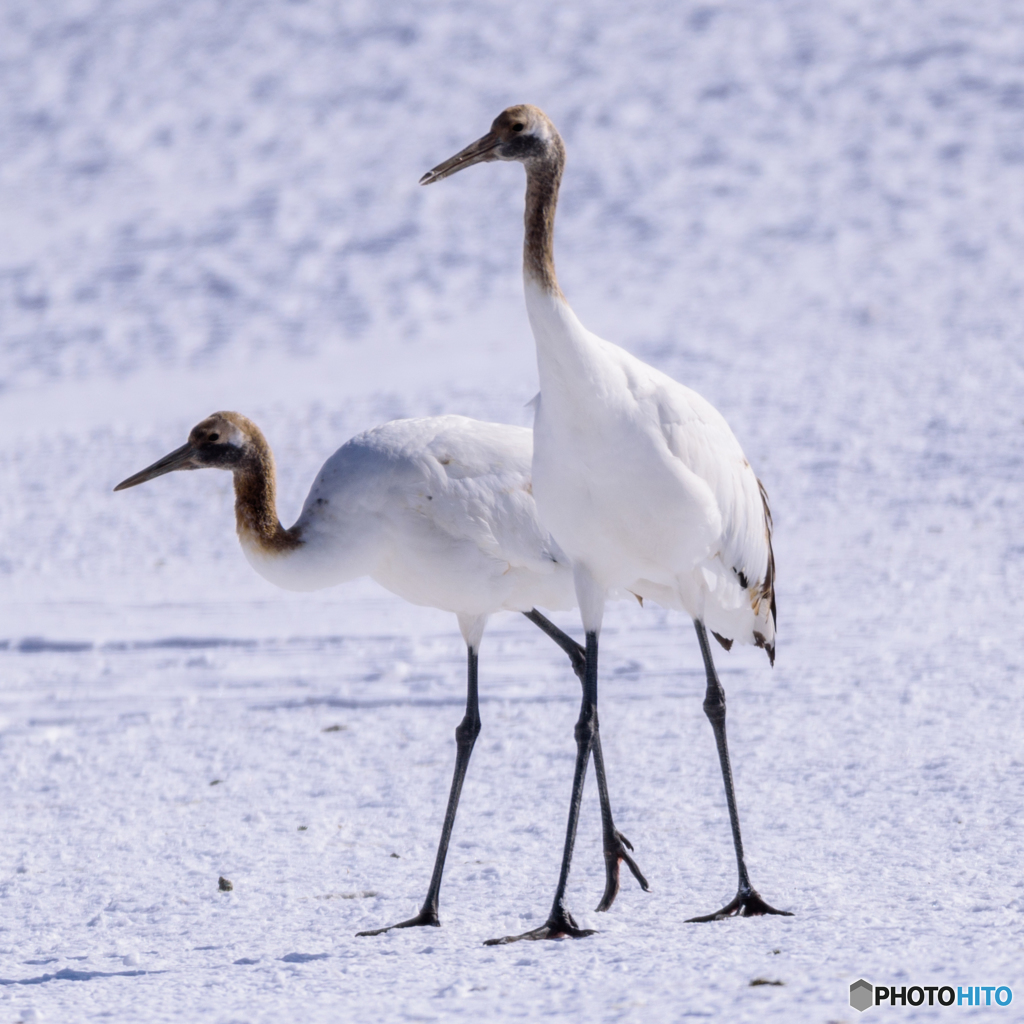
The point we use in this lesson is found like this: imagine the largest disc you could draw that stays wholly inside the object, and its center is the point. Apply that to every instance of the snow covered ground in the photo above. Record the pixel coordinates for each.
(812, 213)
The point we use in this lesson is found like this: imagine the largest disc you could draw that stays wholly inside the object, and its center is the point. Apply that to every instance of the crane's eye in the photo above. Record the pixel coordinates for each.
(213, 437)
(518, 126)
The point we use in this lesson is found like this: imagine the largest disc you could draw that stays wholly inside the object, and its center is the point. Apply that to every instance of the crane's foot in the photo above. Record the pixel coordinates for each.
(425, 918)
(748, 903)
(558, 926)
(614, 854)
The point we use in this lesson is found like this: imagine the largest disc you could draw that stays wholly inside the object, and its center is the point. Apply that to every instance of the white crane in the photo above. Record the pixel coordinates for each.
(638, 478)
(439, 511)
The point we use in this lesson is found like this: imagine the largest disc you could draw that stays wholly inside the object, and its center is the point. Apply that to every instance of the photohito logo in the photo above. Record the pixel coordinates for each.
(864, 995)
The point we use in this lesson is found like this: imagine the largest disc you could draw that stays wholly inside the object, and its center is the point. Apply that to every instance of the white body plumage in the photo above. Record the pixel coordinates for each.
(438, 510)
(639, 479)
(643, 483)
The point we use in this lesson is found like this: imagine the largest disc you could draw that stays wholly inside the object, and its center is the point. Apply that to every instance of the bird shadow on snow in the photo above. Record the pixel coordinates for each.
(367, 704)
(351, 704)
(70, 974)
(41, 645)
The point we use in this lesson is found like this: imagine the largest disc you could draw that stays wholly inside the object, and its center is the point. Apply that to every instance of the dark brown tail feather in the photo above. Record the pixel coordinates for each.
(768, 587)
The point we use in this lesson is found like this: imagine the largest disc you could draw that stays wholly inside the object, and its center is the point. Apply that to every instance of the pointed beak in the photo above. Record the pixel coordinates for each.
(180, 458)
(475, 153)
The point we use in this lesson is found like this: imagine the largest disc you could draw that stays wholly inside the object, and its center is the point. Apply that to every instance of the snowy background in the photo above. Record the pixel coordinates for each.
(811, 213)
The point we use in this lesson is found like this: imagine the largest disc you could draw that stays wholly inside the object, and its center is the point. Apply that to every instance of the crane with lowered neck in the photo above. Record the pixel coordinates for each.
(438, 510)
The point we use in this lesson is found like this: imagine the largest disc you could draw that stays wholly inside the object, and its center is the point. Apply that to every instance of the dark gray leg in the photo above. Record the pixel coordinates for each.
(615, 843)
(560, 923)
(465, 738)
(748, 902)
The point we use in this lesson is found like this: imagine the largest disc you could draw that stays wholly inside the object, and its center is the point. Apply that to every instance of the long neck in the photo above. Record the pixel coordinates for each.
(256, 501)
(543, 176)
(564, 346)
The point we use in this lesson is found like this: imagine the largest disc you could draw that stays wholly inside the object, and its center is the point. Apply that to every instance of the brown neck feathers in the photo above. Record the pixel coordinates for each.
(543, 176)
(256, 500)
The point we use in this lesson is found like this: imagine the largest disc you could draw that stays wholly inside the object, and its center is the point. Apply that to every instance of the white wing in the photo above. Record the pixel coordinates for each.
(441, 512)
(739, 570)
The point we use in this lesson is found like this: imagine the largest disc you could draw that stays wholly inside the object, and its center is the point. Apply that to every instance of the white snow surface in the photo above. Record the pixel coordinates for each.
(812, 214)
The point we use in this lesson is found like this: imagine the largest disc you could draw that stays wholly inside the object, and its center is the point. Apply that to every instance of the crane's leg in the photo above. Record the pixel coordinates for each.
(560, 923)
(748, 902)
(465, 738)
(615, 843)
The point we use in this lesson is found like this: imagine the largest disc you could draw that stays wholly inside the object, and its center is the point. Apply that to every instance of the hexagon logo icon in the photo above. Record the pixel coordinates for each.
(861, 995)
